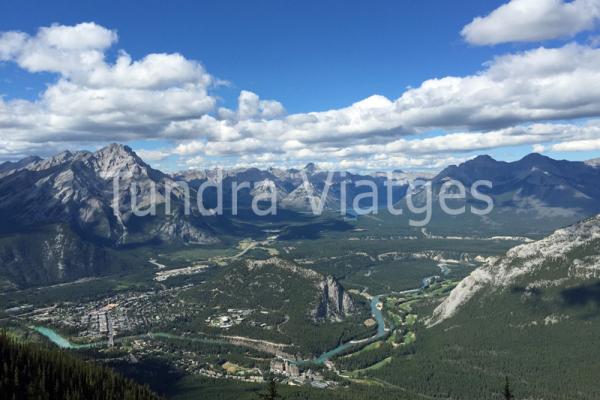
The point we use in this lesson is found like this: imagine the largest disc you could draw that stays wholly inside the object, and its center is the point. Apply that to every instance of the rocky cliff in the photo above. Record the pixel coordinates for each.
(334, 303)
(53, 255)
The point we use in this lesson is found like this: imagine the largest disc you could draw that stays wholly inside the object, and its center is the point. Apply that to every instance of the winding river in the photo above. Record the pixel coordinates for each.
(377, 314)
(64, 343)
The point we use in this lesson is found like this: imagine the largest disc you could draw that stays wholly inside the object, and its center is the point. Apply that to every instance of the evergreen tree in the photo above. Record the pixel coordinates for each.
(271, 392)
(31, 371)
(507, 393)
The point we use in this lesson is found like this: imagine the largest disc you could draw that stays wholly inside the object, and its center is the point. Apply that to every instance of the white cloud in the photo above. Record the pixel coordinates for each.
(533, 20)
(525, 98)
(94, 100)
(578, 145)
(537, 85)
(153, 155)
(250, 106)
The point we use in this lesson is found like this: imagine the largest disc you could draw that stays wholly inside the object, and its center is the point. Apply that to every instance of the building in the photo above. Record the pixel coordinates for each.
(284, 367)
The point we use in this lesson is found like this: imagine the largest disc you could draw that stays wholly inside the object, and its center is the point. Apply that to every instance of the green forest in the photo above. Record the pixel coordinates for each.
(32, 371)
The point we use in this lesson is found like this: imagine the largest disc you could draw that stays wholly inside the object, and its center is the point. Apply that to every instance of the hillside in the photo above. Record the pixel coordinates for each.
(532, 315)
(33, 372)
(569, 257)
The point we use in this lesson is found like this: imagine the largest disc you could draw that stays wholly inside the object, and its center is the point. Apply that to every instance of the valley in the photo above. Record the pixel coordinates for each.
(232, 311)
(309, 200)
(331, 305)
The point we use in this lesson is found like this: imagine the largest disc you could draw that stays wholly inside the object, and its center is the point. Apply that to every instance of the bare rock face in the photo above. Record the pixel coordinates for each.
(185, 231)
(594, 163)
(335, 303)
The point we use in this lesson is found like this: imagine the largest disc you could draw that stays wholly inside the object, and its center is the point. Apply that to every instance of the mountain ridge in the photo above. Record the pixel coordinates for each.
(529, 260)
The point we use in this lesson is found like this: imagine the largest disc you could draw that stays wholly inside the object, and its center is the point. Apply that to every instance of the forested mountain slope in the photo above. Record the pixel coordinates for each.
(31, 371)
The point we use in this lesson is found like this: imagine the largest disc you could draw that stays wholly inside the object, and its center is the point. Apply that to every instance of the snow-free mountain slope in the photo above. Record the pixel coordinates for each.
(569, 255)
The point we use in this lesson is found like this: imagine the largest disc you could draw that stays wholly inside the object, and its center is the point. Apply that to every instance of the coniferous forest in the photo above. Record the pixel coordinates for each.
(32, 371)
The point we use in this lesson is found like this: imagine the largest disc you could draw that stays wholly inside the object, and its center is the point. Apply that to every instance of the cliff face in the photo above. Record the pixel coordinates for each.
(334, 303)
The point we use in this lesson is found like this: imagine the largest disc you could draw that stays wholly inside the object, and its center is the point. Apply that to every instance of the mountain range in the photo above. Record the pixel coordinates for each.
(66, 203)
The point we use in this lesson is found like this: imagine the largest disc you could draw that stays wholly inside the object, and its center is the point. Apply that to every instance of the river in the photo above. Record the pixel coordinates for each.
(377, 314)
(60, 341)
(64, 343)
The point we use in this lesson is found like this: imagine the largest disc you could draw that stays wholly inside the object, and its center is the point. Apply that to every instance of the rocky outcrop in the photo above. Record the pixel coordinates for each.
(287, 266)
(594, 163)
(175, 229)
(53, 255)
(334, 303)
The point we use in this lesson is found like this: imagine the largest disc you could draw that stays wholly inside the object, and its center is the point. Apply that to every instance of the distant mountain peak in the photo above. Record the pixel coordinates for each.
(115, 150)
(536, 158)
(594, 163)
(118, 158)
(484, 158)
(8, 167)
(311, 168)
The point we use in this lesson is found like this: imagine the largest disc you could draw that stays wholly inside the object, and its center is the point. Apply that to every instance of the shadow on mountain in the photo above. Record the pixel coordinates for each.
(582, 295)
(155, 373)
(522, 290)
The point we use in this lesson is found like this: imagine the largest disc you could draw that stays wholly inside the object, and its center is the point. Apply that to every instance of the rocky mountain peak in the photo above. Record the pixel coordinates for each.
(311, 168)
(117, 158)
(483, 158)
(8, 167)
(115, 150)
(536, 160)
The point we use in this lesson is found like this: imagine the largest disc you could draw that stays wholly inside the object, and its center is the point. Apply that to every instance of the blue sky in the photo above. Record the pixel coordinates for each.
(310, 56)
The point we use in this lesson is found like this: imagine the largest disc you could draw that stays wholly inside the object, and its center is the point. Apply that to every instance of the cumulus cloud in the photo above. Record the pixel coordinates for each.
(524, 98)
(93, 98)
(153, 155)
(250, 106)
(536, 85)
(533, 20)
(578, 145)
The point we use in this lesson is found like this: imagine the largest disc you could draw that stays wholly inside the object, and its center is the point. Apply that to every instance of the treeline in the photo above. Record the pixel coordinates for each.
(31, 371)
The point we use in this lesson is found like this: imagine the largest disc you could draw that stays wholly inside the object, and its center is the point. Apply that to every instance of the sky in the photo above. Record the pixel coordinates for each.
(347, 84)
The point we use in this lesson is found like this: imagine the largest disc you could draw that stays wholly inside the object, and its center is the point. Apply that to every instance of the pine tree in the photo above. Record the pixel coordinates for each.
(271, 393)
(35, 372)
(507, 393)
